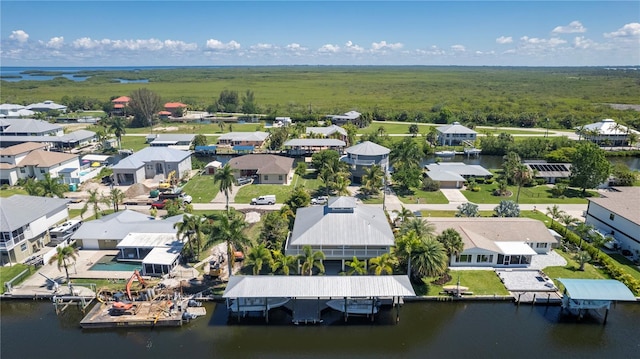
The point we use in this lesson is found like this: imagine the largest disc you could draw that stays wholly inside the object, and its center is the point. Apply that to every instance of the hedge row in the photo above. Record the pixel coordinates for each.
(609, 265)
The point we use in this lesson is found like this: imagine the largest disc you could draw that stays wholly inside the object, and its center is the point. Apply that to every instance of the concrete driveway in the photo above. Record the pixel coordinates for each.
(454, 195)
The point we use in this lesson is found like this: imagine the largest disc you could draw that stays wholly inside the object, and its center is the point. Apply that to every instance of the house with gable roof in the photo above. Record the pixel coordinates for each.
(353, 117)
(31, 160)
(265, 169)
(177, 109)
(455, 134)
(341, 229)
(332, 131)
(151, 162)
(616, 213)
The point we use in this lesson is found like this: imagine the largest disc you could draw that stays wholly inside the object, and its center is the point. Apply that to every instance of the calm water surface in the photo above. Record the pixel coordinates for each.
(427, 329)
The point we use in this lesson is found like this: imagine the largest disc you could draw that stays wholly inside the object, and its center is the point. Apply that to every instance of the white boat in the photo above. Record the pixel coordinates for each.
(355, 305)
(243, 305)
(445, 153)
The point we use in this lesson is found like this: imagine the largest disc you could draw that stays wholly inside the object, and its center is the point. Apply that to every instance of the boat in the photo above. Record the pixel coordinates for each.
(244, 305)
(363, 306)
(445, 153)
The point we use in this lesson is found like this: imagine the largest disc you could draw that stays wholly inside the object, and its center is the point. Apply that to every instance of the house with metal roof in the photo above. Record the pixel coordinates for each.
(455, 134)
(341, 229)
(24, 224)
(332, 131)
(497, 242)
(617, 213)
(255, 139)
(309, 146)
(364, 155)
(454, 174)
(353, 117)
(46, 106)
(607, 133)
(28, 127)
(265, 169)
(582, 295)
(8, 110)
(151, 162)
(176, 141)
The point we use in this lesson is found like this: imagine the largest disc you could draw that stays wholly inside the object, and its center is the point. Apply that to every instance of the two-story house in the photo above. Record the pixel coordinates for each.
(364, 155)
(455, 134)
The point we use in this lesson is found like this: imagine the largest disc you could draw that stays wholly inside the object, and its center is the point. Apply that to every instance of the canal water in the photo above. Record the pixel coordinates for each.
(31, 329)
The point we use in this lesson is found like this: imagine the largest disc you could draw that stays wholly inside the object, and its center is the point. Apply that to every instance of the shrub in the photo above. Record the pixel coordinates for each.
(430, 185)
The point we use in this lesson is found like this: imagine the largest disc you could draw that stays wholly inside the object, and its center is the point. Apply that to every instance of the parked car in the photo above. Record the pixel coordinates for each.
(319, 200)
(267, 199)
(159, 204)
(181, 195)
(244, 180)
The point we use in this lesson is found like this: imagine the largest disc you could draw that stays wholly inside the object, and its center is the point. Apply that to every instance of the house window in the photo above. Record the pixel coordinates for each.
(23, 247)
(464, 258)
(42, 170)
(541, 245)
(22, 170)
(612, 216)
(483, 258)
(266, 177)
(280, 177)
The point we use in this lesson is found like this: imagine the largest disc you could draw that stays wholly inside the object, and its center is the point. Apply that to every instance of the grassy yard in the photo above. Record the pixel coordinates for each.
(246, 193)
(198, 128)
(11, 191)
(628, 266)
(418, 196)
(480, 282)
(571, 270)
(135, 143)
(8, 273)
(394, 128)
(201, 188)
(528, 195)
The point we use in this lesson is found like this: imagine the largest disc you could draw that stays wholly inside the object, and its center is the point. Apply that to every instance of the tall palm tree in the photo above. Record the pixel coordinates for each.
(311, 259)
(584, 231)
(521, 176)
(567, 220)
(224, 177)
(190, 230)
(429, 258)
(452, 242)
(405, 246)
(422, 228)
(356, 267)
(94, 200)
(116, 196)
(383, 264)
(52, 187)
(342, 185)
(555, 212)
(283, 263)
(64, 257)
(119, 128)
(231, 229)
(372, 179)
(32, 187)
(257, 257)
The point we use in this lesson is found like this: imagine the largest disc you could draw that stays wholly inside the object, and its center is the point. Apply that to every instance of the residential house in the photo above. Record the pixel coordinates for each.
(119, 105)
(177, 109)
(175, 141)
(309, 146)
(47, 106)
(455, 134)
(266, 169)
(332, 131)
(617, 213)
(30, 160)
(24, 224)
(151, 163)
(28, 127)
(341, 229)
(138, 237)
(454, 174)
(353, 117)
(256, 139)
(364, 155)
(550, 172)
(497, 242)
(607, 133)
(8, 110)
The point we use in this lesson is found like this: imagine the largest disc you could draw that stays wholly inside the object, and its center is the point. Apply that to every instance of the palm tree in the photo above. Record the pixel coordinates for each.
(283, 263)
(383, 264)
(190, 229)
(224, 177)
(310, 260)
(429, 258)
(356, 267)
(584, 231)
(403, 214)
(257, 257)
(116, 196)
(421, 227)
(468, 209)
(231, 229)
(52, 187)
(342, 185)
(405, 246)
(64, 257)
(372, 179)
(567, 220)
(582, 257)
(554, 212)
(32, 187)
(452, 241)
(95, 200)
(521, 176)
(119, 128)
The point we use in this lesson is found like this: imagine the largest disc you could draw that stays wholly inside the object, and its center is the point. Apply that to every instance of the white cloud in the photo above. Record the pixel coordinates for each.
(261, 46)
(213, 44)
(631, 30)
(85, 43)
(534, 41)
(581, 42)
(351, 47)
(383, 45)
(55, 42)
(572, 28)
(19, 35)
(458, 48)
(295, 47)
(504, 40)
(329, 48)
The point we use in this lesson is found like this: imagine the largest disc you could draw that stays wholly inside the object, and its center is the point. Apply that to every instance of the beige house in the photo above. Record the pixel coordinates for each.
(265, 169)
(31, 160)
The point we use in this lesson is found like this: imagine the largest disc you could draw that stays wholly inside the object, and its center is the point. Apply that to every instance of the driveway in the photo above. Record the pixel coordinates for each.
(454, 195)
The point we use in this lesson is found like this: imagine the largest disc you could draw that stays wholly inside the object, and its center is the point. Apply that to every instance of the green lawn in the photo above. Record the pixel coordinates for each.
(480, 282)
(246, 193)
(11, 191)
(135, 143)
(199, 128)
(628, 266)
(418, 196)
(394, 128)
(8, 273)
(497, 131)
(571, 270)
(201, 188)
(528, 195)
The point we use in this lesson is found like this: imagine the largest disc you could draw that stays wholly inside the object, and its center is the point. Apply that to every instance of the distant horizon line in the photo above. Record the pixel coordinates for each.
(214, 66)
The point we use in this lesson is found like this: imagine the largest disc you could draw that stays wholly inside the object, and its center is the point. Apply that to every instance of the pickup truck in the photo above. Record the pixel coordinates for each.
(268, 199)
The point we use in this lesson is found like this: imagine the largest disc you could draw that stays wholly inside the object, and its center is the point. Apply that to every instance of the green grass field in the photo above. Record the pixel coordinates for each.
(571, 270)
(418, 196)
(480, 282)
(201, 188)
(528, 195)
(11, 191)
(9, 272)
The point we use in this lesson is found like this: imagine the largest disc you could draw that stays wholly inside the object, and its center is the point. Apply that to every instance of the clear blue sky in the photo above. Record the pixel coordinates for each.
(211, 33)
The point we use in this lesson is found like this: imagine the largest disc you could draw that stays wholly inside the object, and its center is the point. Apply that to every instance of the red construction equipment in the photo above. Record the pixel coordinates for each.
(135, 275)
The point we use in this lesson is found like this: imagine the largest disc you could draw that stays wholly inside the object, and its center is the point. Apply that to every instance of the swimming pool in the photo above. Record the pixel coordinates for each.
(109, 263)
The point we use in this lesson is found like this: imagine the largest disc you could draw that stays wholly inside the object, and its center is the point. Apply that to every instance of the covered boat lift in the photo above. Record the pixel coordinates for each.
(244, 293)
(585, 294)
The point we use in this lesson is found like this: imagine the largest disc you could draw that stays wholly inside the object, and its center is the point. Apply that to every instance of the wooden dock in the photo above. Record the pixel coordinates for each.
(538, 298)
(143, 314)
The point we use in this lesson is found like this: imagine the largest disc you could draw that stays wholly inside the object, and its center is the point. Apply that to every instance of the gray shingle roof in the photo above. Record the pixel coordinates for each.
(624, 201)
(264, 164)
(19, 210)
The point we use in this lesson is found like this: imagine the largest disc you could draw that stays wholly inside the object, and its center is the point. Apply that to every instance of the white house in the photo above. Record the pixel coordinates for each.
(30, 160)
(607, 132)
(497, 242)
(455, 134)
(24, 224)
(46, 106)
(617, 213)
(151, 162)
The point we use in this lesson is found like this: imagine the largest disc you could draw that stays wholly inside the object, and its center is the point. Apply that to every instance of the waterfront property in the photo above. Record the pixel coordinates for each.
(256, 139)
(497, 242)
(364, 155)
(454, 174)
(8, 110)
(551, 172)
(176, 141)
(175, 109)
(581, 295)
(353, 117)
(341, 229)
(607, 133)
(120, 105)
(617, 213)
(309, 146)
(455, 134)
(308, 295)
(151, 162)
(46, 106)
(25, 221)
(15, 131)
(332, 131)
(159, 252)
(28, 127)
(266, 169)
(30, 160)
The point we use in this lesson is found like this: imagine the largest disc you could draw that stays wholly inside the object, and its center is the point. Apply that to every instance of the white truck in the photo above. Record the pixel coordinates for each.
(267, 199)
